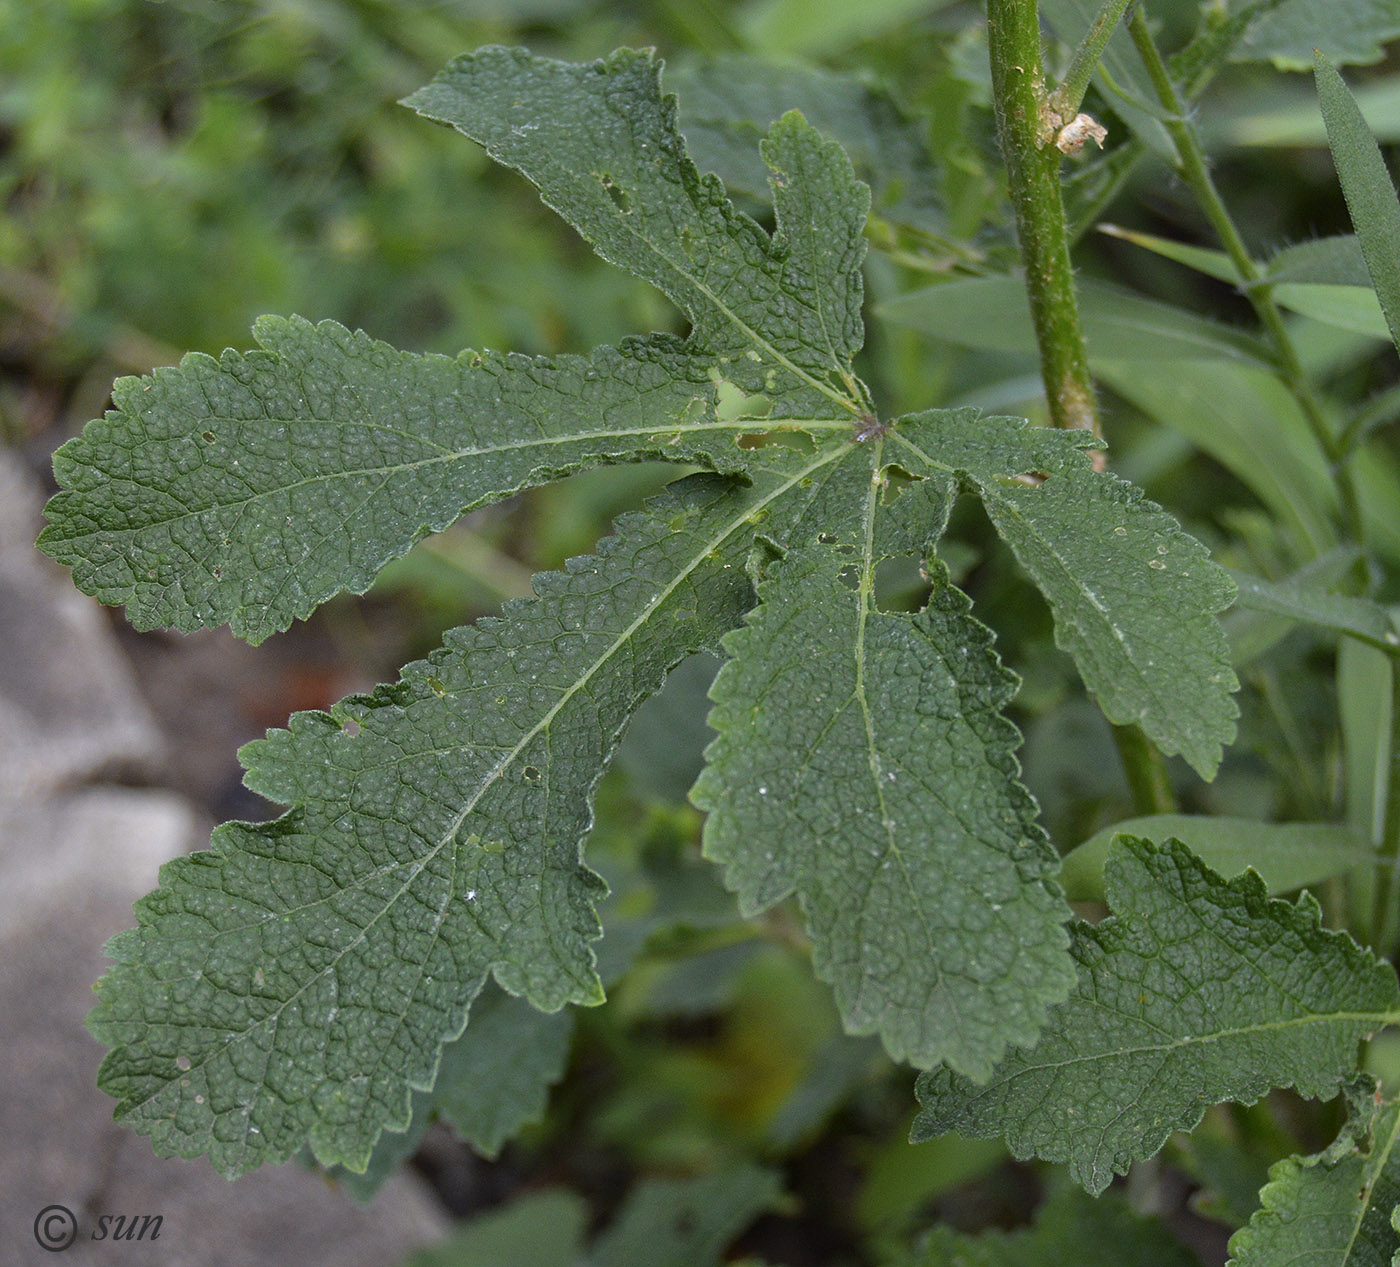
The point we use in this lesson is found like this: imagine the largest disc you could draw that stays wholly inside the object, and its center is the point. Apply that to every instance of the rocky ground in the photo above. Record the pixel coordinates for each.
(86, 818)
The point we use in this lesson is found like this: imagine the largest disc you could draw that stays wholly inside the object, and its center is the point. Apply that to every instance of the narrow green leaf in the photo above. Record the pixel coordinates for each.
(294, 983)
(1371, 200)
(727, 104)
(1336, 1208)
(1287, 856)
(1332, 261)
(1197, 990)
(1252, 633)
(252, 488)
(601, 144)
(1203, 260)
(1134, 597)
(863, 763)
(1249, 422)
(1359, 617)
(991, 313)
(1353, 308)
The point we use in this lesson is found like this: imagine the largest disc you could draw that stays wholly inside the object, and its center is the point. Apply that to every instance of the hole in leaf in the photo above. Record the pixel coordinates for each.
(826, 538)
(209, 437)
(531, 774)
(850, 576)
(622, 200)
(900, 584)
(893, 481)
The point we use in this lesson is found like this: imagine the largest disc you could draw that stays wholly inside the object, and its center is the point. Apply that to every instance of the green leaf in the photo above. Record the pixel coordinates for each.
(491, 1081)
(1133, 596)
(297, 980)
(1287, 856)
(1371, 200)
(1347, 31)
(685, 1222)
(1197, 990)
(1203, 260)
(1252, 633)
(1336, 1208)
(1341, 613)
(992, 313)
(727, 104)
(543, 1229)
(820, 26)
(252, 488)
(601, 144)
(1070, 1230)
(920, 868)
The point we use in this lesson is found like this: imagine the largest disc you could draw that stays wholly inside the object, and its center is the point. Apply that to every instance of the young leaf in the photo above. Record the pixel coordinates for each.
(863, 762)
(294, 983)
(252, 488)
(1134, 597)
(1371, 200)
(1197, 990)
(1336, 1208)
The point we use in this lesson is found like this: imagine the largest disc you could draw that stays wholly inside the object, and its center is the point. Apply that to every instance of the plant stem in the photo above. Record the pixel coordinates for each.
(1033, 174)
(1146, 769)
(1388, 856)
(1066, 99)
(1025, 129)
(1191, 162)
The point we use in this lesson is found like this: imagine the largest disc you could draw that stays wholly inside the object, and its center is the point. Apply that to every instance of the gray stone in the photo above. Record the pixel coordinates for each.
(74, 855)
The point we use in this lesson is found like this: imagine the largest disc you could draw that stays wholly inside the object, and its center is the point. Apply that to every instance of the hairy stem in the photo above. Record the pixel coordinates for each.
(1026, 133)
(1191, 163)
(1025, 129)
(1067, 98)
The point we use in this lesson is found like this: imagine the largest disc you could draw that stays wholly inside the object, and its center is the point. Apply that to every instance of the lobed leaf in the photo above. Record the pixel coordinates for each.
(1336, 1208)
(863, 763)
(294, 983)
(251, 488)
(1197, 990)
(602, 145)
(1133, 596)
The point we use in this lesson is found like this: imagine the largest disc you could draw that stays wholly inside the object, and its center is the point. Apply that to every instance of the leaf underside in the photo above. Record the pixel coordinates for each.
(294, 984)
(1196, 991)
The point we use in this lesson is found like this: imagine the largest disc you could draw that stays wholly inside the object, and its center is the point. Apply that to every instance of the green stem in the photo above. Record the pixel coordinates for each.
(1067, 98)
(1146, 769)
(1191, 162)
(1383, 922)
(1032, 162)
